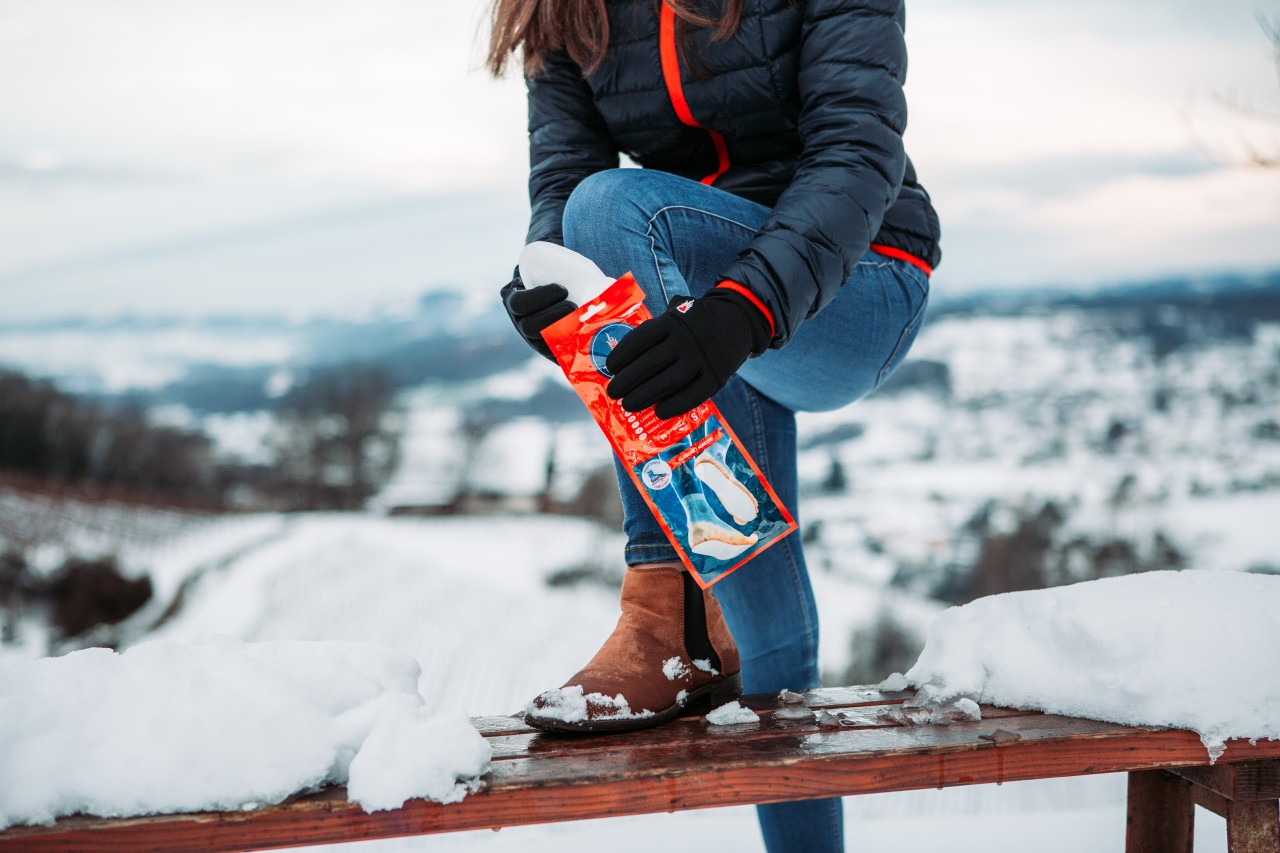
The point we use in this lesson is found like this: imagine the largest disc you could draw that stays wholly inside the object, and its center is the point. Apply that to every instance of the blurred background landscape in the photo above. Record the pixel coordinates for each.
(255, 379)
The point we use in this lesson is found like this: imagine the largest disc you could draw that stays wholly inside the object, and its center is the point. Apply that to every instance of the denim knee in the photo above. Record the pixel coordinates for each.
(602, 206)
(609, 218)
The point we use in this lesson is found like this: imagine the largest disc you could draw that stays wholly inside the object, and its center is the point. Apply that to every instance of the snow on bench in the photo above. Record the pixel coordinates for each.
(843, 741)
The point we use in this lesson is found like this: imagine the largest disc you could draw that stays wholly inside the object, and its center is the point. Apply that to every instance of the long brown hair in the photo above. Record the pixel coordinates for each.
(580, 27)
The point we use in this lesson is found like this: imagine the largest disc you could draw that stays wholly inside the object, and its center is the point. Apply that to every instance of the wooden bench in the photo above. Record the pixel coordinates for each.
(687, 764)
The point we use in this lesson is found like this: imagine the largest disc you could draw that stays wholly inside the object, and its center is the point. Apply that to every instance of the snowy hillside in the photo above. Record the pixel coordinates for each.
(1127, 447)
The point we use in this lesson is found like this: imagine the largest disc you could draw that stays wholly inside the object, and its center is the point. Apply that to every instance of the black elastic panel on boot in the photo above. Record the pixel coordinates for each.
(696, 642)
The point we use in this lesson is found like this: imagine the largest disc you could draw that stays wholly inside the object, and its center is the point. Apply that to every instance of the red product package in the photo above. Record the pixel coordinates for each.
(705, 490)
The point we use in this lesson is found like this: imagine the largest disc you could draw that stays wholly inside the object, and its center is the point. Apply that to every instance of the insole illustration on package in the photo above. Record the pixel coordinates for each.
(709, 496)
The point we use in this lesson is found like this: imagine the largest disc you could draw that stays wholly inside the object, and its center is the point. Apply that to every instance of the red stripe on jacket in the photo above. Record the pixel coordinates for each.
(890, 252)
(675, 90)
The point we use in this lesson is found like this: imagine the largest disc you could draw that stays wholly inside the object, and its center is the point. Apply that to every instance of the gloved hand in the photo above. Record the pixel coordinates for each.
(678, 360)
(533, 309)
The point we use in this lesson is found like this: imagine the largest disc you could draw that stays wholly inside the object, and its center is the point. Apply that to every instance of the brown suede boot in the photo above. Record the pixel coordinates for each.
(670, 650)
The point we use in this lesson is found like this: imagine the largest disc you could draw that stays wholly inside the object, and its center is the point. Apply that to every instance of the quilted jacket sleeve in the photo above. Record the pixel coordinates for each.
(852, 115)
(567, 142)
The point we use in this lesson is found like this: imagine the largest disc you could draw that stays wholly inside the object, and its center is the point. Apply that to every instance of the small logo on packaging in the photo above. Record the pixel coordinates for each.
(656, 474)
(684, 307)
(603, 342)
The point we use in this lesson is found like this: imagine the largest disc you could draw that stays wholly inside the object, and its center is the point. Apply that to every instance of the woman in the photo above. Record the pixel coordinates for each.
(776, 193)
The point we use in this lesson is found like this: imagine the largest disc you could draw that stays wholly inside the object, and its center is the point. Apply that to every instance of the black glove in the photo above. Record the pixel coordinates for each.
(534, 309)
(678, 360)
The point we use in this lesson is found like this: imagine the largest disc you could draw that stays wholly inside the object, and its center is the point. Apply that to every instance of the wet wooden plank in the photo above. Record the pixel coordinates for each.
(841, 697)
(493, 725)
(913, 757)
(825, 698)
(686, 729)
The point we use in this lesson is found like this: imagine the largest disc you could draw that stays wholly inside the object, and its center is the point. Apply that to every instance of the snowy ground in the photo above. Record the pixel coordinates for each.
(466, 597)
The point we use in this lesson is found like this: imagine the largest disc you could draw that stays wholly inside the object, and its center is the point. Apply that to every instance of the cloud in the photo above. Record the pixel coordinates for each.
(386, 92)
(1122, 228)
(331, 261)
(41, 168)
(1055, 140)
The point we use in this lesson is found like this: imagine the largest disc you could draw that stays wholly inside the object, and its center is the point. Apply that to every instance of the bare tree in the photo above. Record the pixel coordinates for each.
(1254, 139)
(58, 437)
(338, 439)
(473, 431)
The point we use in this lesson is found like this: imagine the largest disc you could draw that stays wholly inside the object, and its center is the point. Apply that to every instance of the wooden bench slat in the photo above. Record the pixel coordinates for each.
(508, 746)
(1046, 746)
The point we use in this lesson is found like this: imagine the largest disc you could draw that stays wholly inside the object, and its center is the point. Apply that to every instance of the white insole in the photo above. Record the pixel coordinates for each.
(731, 493)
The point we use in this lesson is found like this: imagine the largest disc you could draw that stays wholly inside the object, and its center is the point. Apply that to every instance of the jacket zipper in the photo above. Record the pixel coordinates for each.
(675, 90)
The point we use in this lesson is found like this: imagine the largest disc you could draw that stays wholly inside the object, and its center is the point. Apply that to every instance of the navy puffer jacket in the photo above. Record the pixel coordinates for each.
(801, 111)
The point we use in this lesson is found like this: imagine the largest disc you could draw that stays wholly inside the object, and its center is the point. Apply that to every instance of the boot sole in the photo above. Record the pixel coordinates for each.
(706, 698)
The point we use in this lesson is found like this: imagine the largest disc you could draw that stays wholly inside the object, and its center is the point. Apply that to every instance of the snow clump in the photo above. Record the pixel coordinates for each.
(894, 683)
(925, 711)
(730, 713)
(570, 704)
(1191, 650)
(173, 727)
(674, 668)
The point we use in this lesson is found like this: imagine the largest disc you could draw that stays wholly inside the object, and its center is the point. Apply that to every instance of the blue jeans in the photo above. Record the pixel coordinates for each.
(676, 236)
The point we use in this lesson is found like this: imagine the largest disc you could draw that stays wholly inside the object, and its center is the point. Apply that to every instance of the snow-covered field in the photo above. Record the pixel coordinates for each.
(466, 597)
(1056, 409)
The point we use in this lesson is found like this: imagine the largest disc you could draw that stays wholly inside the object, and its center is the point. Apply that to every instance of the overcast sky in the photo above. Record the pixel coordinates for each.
(302, 156)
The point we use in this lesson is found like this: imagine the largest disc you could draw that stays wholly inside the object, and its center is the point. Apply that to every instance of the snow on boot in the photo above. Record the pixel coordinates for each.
(671, 650)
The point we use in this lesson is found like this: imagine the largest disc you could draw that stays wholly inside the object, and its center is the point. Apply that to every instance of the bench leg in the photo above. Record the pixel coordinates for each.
(1161, 814)
(1253, 826)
